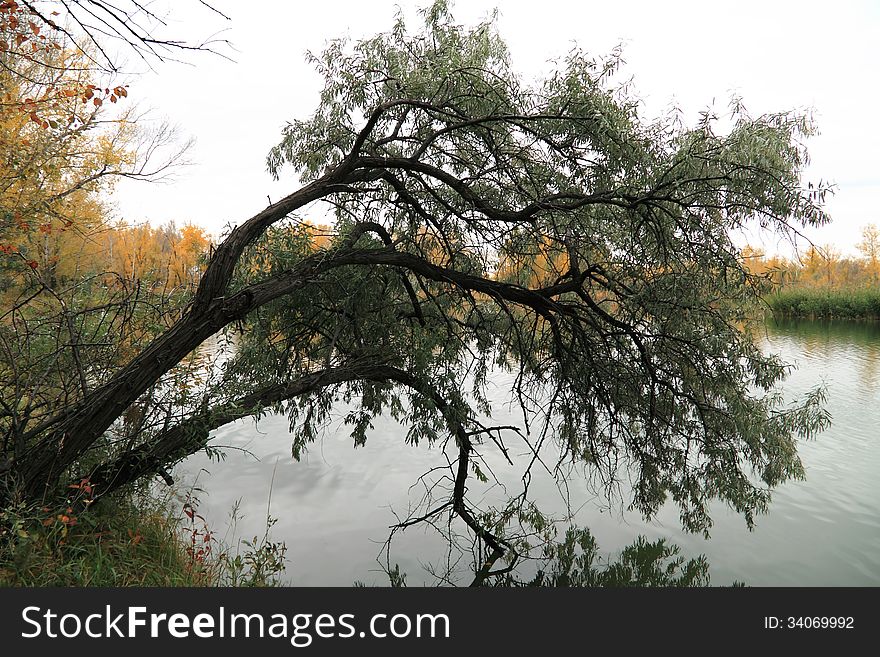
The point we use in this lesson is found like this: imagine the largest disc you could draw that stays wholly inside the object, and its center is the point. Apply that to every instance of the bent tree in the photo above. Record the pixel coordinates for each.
(482, 224)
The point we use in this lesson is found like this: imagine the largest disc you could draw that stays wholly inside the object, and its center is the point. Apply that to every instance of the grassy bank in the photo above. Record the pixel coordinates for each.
(131, 540)
(860, 303)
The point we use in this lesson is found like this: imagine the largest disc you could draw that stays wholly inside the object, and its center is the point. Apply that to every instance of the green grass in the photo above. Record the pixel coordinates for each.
(859, 303)
(130, 540)
(115, 544)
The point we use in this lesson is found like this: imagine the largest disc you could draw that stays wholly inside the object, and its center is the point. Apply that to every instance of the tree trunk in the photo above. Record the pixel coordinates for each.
(56, 444)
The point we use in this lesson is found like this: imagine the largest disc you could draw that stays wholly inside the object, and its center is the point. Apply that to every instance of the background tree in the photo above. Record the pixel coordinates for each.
(813, 266)
(485, 225)
(61, 149)
(97, 28)
(830, 259)
(870, 249)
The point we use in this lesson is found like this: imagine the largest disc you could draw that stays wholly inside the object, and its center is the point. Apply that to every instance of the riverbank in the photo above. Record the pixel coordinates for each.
(813, 303)
(136, 539)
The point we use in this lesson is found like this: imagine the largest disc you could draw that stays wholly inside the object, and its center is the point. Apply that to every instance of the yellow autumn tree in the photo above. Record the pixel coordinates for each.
(187, 255)
(66, 136)
(780, 269)
(870, 249)
(753, 260)
(165, 257)
(831, 259)
(776, 269)
(542, 265)
(812, 266)
(60, 150)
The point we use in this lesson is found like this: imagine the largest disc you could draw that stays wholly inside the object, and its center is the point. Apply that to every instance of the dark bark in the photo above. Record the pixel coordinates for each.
(57, 443)
(192, 434)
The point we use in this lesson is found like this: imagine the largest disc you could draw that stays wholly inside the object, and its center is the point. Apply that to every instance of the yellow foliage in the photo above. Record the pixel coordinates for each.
(543, 266)
(870, 249)
(165, 257)
(59, 152)
(818, 267)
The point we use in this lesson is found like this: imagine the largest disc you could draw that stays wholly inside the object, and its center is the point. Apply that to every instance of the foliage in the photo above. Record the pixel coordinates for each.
(166, 257)
(119, 543)
(638, 214)
(111, 291)
(60, 150)
(136, 539)
(575, 562)
(870, 249)
(484, 227)
(817, 267)
(836, 303)
(260, 564)
(73, 305)
(821, 283)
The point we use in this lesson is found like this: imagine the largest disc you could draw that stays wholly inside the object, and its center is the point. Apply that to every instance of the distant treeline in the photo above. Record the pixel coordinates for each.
(816, 302)
(822, 283)
(164, 258)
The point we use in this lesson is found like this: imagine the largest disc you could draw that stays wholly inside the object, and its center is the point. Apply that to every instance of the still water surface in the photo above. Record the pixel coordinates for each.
(334, 507)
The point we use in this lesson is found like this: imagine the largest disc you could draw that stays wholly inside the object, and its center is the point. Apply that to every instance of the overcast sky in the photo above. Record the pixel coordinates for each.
(776, 55)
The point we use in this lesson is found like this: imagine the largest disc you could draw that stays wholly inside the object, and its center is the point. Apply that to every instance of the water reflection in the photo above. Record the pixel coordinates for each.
(335, 506)
(856, 343)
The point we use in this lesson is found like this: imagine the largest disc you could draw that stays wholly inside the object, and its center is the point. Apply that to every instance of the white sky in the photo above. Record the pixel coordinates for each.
(776, 55)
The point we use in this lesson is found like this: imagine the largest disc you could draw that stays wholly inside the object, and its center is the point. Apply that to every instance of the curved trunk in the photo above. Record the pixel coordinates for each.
(56, 444)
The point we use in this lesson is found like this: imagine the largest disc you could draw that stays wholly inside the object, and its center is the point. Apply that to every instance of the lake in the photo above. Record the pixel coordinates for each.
(334, 507)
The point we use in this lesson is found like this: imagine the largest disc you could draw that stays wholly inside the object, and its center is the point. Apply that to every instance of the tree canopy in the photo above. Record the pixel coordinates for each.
(484, 223)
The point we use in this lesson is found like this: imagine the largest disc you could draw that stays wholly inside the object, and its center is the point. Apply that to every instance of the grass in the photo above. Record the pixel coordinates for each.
(129, 540)
(858, 303)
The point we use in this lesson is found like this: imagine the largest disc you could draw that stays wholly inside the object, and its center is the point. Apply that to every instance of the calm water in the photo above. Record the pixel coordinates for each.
(334, 507)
